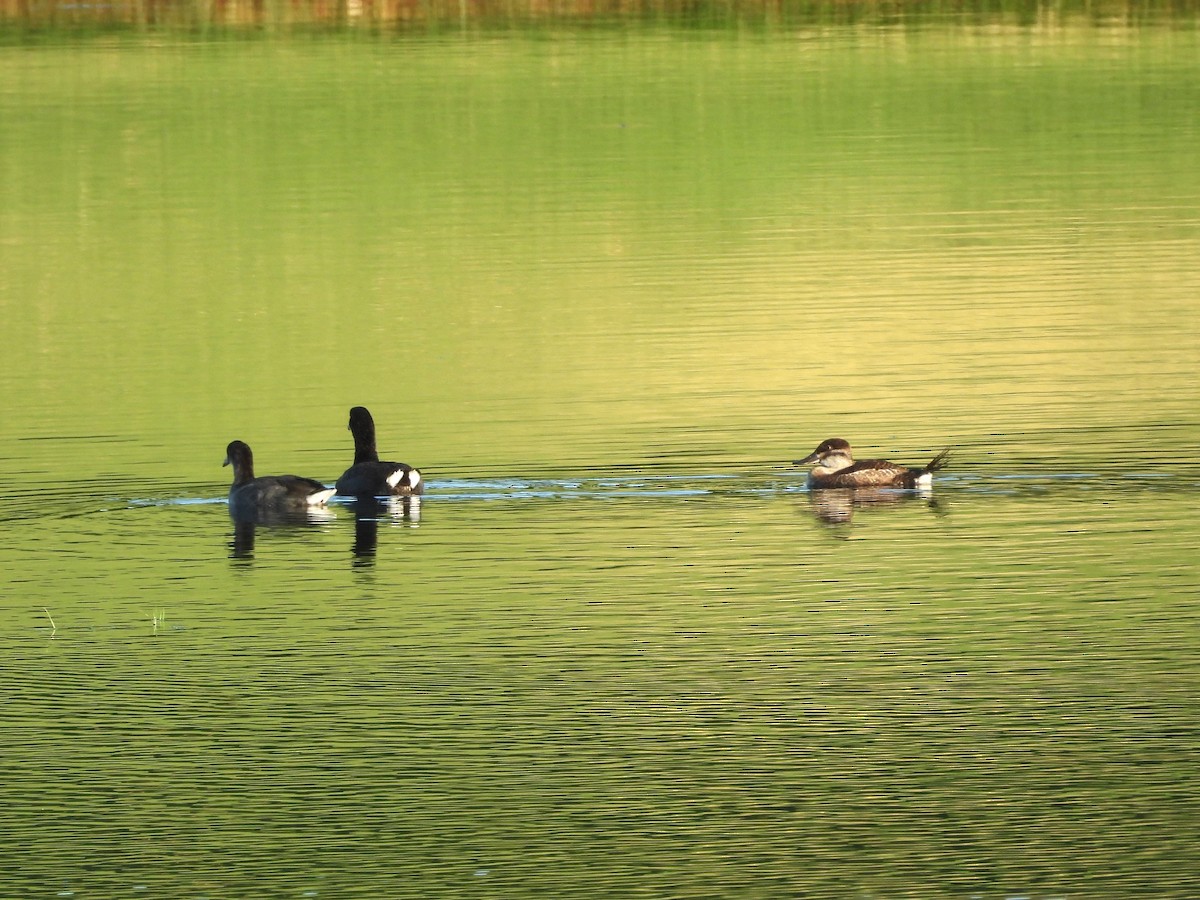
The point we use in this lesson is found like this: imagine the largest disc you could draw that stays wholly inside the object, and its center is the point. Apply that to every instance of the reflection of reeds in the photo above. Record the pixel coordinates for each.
(498, 13)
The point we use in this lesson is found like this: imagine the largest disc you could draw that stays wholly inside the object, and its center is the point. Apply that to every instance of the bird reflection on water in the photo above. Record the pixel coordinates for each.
(247, 521)
(837, 506)
(369, 512)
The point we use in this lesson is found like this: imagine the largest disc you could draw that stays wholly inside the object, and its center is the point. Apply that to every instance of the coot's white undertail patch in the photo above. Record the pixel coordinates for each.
(404, 477)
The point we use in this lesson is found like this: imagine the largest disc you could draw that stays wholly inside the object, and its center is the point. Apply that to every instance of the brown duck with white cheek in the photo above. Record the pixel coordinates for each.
(835, 468)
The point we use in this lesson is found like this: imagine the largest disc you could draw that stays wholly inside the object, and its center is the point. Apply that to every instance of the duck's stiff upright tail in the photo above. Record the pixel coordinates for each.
(938, 462)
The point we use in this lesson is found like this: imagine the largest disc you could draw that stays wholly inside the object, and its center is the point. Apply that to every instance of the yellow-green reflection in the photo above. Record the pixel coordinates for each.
(625, 258)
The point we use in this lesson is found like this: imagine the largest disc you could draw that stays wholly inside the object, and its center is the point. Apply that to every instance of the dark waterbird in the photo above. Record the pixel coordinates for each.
(370, 477)
(835, 468)
(250, 496)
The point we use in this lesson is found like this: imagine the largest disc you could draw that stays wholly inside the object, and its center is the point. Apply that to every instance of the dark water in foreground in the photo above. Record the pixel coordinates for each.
(601, 288)
(675, 686)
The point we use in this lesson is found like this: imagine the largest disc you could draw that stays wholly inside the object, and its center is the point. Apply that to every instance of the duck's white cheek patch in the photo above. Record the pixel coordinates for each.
(414, 478)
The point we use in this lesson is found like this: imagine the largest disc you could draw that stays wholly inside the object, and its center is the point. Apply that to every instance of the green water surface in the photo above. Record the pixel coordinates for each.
(602, 286)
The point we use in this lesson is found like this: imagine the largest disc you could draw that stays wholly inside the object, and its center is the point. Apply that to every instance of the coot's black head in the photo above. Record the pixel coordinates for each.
(361, 421)
(237, 451)
(238, 455)
(362, 426)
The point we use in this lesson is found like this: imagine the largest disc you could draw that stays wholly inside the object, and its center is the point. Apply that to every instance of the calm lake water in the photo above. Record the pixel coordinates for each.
(602, 286)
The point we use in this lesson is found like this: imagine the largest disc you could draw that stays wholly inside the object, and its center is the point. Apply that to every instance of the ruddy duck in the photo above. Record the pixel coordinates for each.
(835, 468)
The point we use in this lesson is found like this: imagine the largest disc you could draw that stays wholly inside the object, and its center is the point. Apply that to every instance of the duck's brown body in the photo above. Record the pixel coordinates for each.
(836, 468)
